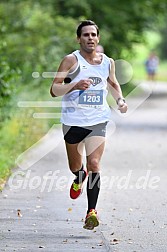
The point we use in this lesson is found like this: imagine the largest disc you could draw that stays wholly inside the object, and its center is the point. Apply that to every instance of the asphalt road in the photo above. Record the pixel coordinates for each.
(36, 213)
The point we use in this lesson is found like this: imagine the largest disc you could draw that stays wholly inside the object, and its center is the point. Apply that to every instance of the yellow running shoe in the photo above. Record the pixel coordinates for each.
(91, 220)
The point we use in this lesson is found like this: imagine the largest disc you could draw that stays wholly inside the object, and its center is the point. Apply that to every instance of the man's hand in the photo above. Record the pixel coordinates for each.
(83, 84)
(122, 106)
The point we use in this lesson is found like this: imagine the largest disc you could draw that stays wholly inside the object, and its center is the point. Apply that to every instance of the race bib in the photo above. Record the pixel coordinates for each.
(90, 98)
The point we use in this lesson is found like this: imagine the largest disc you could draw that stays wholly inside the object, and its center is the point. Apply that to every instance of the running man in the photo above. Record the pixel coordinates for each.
(82, 79)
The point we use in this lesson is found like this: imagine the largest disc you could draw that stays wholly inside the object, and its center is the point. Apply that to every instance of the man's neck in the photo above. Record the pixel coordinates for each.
(92, 58)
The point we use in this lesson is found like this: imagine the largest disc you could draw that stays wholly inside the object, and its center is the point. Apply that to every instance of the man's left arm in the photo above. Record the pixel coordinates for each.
(115, 89)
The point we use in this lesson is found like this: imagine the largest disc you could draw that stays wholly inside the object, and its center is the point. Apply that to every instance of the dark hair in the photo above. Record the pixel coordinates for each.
(85, 23)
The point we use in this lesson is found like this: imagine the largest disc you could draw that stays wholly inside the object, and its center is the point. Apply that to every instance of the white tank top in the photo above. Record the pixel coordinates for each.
(89, 107)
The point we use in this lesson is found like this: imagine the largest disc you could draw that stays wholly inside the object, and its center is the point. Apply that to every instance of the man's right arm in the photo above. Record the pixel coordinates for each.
(69, 63)
(57, 89)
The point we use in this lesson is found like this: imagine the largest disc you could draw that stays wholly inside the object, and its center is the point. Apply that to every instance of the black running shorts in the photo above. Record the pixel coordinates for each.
(76, 134)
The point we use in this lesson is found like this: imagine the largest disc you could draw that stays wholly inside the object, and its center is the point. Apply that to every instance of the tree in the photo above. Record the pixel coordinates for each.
(162, 47)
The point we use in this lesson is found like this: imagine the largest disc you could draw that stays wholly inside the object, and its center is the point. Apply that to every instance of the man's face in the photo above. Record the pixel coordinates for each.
(89, 39)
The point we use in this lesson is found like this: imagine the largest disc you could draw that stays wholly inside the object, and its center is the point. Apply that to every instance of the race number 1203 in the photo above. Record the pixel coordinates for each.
(91, 98)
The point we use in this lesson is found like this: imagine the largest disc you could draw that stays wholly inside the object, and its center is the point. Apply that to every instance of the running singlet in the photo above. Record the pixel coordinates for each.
(89, 107)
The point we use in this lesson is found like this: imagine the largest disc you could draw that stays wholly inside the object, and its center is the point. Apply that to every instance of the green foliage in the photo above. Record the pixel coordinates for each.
(74, 8)
(9, 79)
(126, 22)
(162, 46)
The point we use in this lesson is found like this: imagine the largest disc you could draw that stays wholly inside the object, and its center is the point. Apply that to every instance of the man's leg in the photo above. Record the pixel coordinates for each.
(74, 153)
(93, 184)
(74, 136)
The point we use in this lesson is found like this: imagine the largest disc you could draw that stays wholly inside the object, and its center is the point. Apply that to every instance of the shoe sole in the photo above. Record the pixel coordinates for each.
(91, 222)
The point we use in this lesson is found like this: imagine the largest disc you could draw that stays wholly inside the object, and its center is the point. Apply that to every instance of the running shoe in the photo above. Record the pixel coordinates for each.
(76, 189)
(91, 220)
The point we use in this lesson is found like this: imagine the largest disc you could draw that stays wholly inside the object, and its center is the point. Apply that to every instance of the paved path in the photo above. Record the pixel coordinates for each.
(133, 199)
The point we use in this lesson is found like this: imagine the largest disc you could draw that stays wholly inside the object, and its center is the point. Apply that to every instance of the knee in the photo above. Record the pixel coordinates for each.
(93, 165)
(74, 167)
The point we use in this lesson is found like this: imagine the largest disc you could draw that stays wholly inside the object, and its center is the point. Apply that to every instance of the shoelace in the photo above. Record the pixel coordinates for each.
(76, 187)
(92, 212)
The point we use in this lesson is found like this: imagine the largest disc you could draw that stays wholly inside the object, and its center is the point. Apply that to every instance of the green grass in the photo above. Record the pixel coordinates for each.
(21, 130)
(17, 135)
